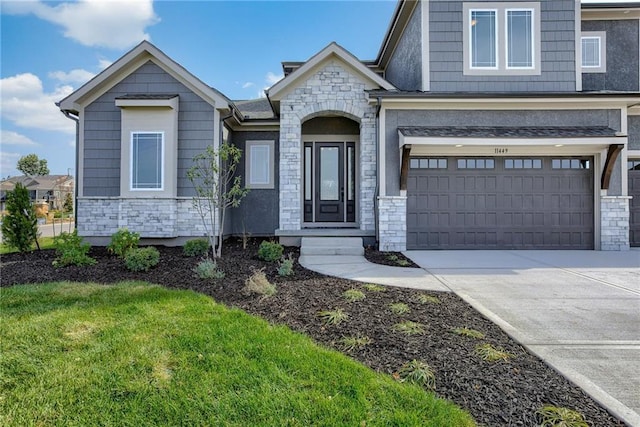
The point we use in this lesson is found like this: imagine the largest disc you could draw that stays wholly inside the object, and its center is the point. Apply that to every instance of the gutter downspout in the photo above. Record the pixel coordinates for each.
(76, 119)
(221, 140)
(377, 190)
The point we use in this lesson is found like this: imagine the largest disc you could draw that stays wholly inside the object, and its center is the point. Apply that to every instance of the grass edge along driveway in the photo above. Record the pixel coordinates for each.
(138, 354)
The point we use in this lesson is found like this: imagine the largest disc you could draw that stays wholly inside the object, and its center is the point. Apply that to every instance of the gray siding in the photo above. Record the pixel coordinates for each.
(404, 70)
(557, 52)
(623, 53)
(397, 118)
(102, 130)
(633, 126)
(258, 211)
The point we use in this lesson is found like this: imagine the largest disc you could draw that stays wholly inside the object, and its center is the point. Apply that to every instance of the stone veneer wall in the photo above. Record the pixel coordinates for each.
(332, 90)
(392, 234)
(152, 218)
(614, 223)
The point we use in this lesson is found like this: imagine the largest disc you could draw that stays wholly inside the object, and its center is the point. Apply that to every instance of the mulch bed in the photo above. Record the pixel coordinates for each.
(496, 394)
(393, 259)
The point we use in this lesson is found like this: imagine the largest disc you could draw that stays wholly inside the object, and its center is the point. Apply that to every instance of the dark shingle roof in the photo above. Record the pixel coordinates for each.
(508, 132)
(255, 108)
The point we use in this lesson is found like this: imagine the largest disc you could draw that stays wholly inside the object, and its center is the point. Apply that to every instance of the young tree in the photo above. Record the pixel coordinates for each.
(32, 165)
(212, 176)
(68, 203)
(20, 225)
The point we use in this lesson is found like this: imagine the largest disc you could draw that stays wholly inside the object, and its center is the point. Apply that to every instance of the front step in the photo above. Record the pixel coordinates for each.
(331, 246)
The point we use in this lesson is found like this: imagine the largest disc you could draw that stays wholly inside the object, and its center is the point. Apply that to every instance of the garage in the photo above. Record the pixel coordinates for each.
(634, 203)
(501, 203)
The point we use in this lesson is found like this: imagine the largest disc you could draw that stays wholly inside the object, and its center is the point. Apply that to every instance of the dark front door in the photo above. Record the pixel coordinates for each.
(329, 182)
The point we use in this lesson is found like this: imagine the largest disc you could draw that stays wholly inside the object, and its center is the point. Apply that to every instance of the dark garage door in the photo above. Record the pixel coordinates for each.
(634, 205)
(500, 203)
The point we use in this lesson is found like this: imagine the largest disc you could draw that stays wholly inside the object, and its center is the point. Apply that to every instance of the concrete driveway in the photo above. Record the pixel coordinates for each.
(577, 310)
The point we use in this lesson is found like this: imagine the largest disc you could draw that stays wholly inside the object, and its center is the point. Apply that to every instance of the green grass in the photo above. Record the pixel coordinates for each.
(45, 243)
(409, 328)
(136, 354)
(468, 332)
(399, 308)
(353, 295)
(492, 354)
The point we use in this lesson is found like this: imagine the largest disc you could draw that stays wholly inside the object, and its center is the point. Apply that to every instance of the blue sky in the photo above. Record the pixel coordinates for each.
(50, 48)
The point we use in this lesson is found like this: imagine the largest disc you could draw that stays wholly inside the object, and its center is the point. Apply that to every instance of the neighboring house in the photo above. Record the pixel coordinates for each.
(52, 189)
(480, 125)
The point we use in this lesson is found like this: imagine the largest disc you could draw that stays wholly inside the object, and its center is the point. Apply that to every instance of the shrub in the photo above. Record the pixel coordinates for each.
(409, 328)
(270, 251)
(196, 247)
(123, 240)
(208, 269)
(353, 295)
(427, 299)
(333, 317)
(141, 259)
(552, 416)
(374, 288)
(418, 372)
(492, 354)
(399, 308)
(258, 283)
(467, 332)
(20, 225)
(71, 250)
(286, 266)
(349, 344)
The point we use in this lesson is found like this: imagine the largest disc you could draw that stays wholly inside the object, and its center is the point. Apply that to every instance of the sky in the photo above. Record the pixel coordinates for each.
(51, 48)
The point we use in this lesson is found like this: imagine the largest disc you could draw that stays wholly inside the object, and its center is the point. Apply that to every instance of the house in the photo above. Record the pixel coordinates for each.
(52, 189)
(480, 125)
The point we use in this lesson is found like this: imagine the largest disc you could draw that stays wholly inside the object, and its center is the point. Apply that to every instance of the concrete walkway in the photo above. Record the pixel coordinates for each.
(577, 310)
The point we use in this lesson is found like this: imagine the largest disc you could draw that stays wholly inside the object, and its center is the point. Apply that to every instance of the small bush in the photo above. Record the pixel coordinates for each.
(123, 240)
(270, 251)
(141, 259)
(374, 288)
(492, 354)
(427, 299)
(403, 263)
(333, 317)
(208, 269)
(553, 416)
(467, 332)
(419, 373)
(20, 225)
(349, 344)
(71, 250)
(258, 283)
(353, 295)
(399, 308)
(392, 257)
(409, 328)
(286, 266)
(196, 247)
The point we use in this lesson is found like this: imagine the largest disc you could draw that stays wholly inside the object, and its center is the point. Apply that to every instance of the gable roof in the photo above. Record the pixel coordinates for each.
(401, 15)
(332, 50)
(128, 63)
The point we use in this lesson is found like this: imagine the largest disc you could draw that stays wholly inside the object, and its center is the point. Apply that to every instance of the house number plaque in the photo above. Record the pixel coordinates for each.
(501, 150)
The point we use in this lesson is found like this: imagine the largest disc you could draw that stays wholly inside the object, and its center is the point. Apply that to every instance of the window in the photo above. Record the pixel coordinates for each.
(523, 163)
(501, 38)
(259, 164)
(147, 152)
(593, 52)
(633, 165)
(476, 163)
(428, 163)
(570, 164)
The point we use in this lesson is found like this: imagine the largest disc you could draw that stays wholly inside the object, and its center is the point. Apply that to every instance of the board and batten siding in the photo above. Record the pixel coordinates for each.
(404, 70)
(557, 63)
(622, 53)
(102, 138)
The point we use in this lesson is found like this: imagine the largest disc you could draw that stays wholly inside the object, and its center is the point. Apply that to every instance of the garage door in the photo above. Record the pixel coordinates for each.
(500, 203)
(634, 205)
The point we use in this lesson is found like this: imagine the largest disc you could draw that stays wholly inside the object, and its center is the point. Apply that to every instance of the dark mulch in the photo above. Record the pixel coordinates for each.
(496, 394)
(394, 259)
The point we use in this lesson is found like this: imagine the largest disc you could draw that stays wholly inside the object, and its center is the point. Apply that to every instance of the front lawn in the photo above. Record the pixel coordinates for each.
(44, 242)
(136, 354)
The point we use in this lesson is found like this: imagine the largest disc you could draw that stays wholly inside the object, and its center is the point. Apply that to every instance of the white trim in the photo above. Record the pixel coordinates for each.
(382, 172)
(426, 48)
(633, 154)
(280, 89)
(601, 36)
(624, 123)
(162, 163)
(468, 25)
(578, 44)
(171, 103)
(543, 103)
(271, 164)
(610, 14)
(533, 37)
(624, 175)
(508, 142)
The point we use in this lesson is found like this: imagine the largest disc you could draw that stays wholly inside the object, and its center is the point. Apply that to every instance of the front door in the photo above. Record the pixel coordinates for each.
(329, 182)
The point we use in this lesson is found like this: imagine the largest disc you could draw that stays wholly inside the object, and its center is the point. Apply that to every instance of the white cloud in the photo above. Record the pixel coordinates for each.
(247, 85)
(111, 24)
(8, 163)
(270, 79)
(14, 138)
(26, 104)
(78, 75)
(72, 143)
(104, 63)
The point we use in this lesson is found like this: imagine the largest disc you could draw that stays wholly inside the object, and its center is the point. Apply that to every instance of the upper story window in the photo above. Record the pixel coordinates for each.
(501, 38)
(594, 57)
(147, 158)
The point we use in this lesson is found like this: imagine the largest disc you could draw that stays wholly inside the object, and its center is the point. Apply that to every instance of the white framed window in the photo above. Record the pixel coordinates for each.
(259, 164)
(147, 159)
(501, 38)
(594, 58)
(484, 38)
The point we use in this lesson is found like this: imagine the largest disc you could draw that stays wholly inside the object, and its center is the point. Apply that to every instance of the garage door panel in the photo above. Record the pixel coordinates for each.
(505, 208)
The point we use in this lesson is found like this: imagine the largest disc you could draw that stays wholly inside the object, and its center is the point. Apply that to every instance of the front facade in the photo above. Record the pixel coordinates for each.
(480, 125)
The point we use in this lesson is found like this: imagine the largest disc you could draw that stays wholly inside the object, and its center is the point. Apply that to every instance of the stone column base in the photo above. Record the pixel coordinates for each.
(392, 223)
(614, 223)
